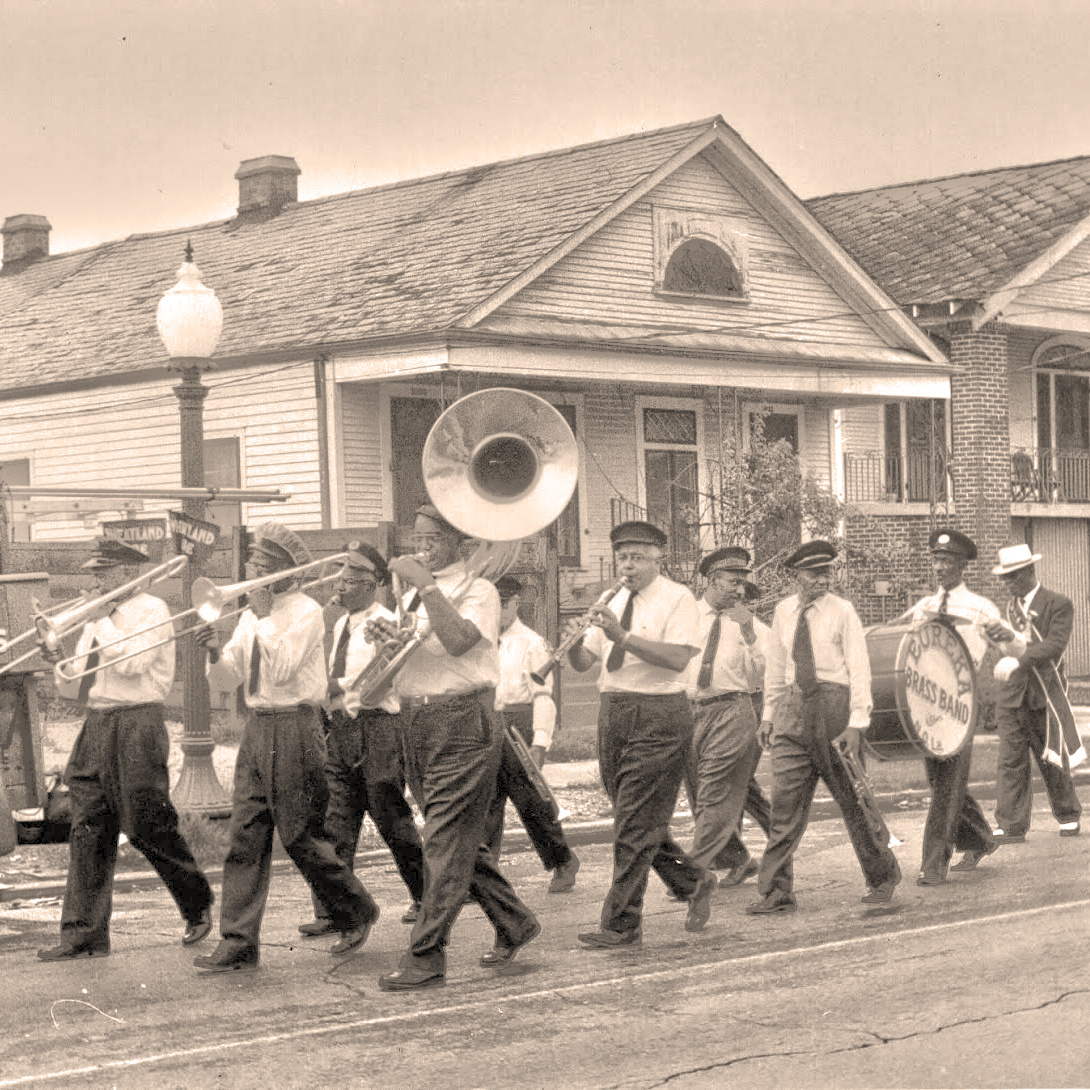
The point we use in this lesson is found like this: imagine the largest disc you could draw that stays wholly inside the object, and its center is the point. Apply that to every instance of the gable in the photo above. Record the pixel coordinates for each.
(610, 278)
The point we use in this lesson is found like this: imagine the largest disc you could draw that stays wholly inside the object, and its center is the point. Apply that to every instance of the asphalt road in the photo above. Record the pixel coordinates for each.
(980, 982)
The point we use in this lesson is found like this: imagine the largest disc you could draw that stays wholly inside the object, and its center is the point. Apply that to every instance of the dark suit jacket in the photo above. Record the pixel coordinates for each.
(1053, 616)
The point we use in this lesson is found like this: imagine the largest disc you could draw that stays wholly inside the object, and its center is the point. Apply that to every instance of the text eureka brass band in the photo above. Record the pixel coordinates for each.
(446, 693)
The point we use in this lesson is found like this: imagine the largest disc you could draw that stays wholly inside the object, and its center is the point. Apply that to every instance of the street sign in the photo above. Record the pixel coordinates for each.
(136, 531)
(193, 537)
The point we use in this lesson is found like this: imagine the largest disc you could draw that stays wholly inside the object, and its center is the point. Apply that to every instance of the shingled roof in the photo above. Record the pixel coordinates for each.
(410, 257)
(957, 238)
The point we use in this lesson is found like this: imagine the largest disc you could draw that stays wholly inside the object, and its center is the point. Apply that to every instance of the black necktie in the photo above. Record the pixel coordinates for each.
(340, 655)
(255, 667)
(616, 654)
(803, 654)
(88, 678)
(704, 678)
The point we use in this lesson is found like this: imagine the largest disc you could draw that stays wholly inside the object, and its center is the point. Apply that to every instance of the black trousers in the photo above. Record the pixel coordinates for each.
(534, 812)
(955, 820)
(643, 745)
(366, 775)
(452, 754)
(118, 783)
(280, 785)
(802, 753)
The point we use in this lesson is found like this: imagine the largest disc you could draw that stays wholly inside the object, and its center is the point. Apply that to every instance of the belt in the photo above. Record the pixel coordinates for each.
(290, 709)
(441, 698)
(716, 699)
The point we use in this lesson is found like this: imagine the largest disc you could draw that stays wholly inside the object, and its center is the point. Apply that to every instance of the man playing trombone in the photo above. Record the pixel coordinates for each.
(117, 771)
(453, 740)
(277, 652)
(364, 764)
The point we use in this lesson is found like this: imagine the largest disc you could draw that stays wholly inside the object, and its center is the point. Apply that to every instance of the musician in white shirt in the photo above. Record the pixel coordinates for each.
(526, 707)
(277, 651)
(817, 696)
(117, 771)
(364, 763)
(955, 820)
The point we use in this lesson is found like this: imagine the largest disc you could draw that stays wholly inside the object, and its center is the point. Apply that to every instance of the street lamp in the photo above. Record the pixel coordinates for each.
(190, 319)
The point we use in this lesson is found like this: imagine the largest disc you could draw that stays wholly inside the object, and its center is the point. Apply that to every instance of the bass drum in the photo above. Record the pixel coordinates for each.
(924, 689)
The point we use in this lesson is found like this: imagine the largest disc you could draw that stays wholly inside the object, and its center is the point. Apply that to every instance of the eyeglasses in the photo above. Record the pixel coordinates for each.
(638, 558)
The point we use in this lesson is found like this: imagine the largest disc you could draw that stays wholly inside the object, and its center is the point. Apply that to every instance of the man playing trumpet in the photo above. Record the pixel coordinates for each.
(277, 651)
(117, 770)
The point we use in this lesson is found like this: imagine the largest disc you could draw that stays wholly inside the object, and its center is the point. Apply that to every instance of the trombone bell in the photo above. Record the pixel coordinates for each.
(500, 464)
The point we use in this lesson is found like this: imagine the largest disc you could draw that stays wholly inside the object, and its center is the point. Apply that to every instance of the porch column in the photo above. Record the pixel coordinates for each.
(980, 427)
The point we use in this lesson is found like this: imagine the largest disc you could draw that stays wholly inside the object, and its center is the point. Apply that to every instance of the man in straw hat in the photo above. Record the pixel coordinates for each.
(720, 682)
(955, 820)
(117, 771)
(645, 729)
(365, 767)
(277, 652)
(1033, 691)
(453, 742)
(817, 696)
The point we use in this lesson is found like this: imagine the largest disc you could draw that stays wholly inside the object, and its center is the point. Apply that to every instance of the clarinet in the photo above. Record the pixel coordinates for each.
(566, 644)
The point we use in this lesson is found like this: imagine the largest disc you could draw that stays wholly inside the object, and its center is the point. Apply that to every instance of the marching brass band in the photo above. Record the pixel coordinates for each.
(421, 694)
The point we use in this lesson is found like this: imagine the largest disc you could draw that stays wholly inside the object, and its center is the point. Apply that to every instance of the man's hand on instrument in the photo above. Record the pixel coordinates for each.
(764, 733)
(387, 634)
(604, 618)
(537, 755)
(52, 655)
(207, 637)
(849, 741)
(409, 570)
(998, 632)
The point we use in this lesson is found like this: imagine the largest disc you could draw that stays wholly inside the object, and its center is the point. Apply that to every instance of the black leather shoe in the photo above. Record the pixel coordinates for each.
(564, 876)
(776, 901)
(412, 913)
(930, 878)
(973, 857)
(700, 904)
(881, 894)
(610, 940)
(1070, 828)
(737, 875)
(68, 951)
(354, 939)
(408, 980)
(313, 928)
(225, 960)
(198, 929)
(503, 954)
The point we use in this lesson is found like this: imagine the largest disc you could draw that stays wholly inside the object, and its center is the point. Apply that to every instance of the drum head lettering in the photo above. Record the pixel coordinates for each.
(936, 688)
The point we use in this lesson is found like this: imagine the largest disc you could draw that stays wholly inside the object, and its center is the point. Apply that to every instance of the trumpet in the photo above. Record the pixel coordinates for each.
(533, 773)
(208, 605)
(569, 641)
(865, 796)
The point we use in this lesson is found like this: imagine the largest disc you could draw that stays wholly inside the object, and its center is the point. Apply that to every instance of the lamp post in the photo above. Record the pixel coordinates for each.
(190, 319)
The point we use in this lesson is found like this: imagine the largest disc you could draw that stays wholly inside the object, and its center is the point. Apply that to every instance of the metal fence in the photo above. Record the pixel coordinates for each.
(1050, 476)
(877, 477)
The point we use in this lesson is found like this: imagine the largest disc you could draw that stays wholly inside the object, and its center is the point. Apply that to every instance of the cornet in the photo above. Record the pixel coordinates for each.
(208, 603)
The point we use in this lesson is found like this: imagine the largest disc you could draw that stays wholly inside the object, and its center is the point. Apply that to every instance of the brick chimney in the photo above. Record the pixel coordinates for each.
(26, 238)
(265, 185)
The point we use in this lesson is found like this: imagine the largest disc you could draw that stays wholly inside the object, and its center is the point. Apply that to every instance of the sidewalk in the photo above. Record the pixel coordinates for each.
(568, 778)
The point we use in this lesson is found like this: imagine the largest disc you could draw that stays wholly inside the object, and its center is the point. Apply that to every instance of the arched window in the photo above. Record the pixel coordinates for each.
(699, 267)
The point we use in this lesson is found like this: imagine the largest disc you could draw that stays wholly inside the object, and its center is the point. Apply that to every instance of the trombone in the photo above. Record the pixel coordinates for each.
(208, 602)
(51, 627)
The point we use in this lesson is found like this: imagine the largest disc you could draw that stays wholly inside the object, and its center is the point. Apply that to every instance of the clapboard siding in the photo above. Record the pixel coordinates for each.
(127, 436)
(1066, 286)
(861, 428)
(609, 278)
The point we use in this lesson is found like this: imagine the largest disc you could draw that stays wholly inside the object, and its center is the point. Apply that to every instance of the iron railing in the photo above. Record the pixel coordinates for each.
(1050, 476)
(877, 477)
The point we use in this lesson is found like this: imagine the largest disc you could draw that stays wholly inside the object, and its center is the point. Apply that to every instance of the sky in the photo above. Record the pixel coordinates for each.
(120, 118)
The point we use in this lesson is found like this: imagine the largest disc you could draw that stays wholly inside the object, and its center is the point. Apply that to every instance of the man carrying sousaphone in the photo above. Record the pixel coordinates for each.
(817, 696)
(117, 771)
(277, 652)
(955, 820)
(453, 740)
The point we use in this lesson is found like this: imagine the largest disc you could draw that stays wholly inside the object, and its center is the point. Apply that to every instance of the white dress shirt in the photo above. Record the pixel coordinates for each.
(431, 670)
(523, 650)
(292, 641)
(840, 653)
(360, 654)
(738, 667)
(144, 679)
(665, 612)
(962, 602)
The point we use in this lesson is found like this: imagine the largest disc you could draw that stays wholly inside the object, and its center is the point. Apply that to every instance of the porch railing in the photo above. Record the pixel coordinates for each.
(876, 477)
(682, 550)
(1050, 476)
